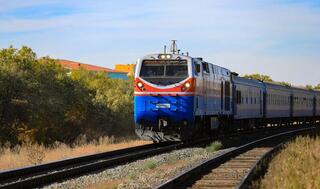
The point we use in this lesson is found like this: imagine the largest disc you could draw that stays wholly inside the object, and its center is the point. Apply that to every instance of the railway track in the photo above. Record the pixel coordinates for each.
(233, 169)
(43, 174)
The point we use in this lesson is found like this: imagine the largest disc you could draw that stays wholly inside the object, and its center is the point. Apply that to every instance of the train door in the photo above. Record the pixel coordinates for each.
(314, 105)
(291, 105)
(206, 78)
(199, 85)
(235, 99)
(222, 96)
(260, 102)
(227, 96)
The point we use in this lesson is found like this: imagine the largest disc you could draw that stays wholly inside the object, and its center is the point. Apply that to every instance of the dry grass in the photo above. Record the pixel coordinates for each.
(32, 154)
(297, 166)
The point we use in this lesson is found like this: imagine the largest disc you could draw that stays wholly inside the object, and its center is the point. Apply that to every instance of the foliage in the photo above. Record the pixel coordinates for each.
(40, 101)
(310, 87)
(284, 83)
(150, 164)
(266, 78)
(214, 146)
(259, 77)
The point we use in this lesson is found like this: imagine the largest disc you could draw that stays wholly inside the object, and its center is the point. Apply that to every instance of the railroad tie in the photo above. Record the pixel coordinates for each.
(230, 173)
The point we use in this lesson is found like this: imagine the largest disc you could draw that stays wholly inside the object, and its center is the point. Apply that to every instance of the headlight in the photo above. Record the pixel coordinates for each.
(165, 56)
(140, 85)
(185, 86)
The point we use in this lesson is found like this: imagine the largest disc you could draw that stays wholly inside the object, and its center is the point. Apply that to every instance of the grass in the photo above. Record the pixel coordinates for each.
(132, 175)
(297, 166)
(31, 154)
(214, 146)
(150, 164)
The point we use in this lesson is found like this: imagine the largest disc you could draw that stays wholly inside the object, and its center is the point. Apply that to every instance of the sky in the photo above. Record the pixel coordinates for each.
(279, 38)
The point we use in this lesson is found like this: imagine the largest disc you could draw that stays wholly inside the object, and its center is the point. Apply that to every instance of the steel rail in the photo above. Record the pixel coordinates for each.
(260, 167)
(34, 176)
(39, 175)
(192, 175)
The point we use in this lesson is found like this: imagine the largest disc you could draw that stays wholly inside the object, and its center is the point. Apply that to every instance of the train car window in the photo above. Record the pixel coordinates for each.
(237, 95)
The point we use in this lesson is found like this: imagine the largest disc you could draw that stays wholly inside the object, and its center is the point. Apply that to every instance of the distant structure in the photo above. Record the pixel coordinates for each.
(129, 68)
(110, 73)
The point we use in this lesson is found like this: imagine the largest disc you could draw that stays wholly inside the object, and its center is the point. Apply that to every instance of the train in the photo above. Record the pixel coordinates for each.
(178, 97)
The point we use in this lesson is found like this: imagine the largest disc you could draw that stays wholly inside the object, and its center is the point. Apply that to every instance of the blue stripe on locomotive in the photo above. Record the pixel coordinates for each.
(181, 109)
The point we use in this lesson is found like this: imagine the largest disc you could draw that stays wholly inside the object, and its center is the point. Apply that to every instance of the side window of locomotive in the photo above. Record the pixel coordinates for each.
(205, 67)
(197, 68)
(211, 69)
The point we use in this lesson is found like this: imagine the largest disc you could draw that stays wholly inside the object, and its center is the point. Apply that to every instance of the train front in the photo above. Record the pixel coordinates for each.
(164, 97)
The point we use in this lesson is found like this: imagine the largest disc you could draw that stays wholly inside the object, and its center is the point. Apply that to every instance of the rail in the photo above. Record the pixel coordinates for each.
(231, 169)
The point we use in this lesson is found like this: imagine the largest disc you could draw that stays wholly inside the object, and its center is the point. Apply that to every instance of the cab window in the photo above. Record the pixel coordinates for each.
(205, 67)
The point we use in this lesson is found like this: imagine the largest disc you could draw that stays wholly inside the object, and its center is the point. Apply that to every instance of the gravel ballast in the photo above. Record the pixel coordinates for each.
(146, 173)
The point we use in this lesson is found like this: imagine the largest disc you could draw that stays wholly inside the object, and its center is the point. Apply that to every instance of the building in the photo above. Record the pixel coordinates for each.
(129, 68)
(72, 65)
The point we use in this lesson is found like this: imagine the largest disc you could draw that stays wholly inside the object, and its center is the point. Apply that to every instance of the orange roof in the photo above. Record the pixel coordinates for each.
(76, 65)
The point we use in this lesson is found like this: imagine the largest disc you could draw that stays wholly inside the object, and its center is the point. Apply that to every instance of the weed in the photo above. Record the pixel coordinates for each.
(35, 153)
(150, 164)
(132, 176)
(297, 166)
(30, 154)
(214, 146)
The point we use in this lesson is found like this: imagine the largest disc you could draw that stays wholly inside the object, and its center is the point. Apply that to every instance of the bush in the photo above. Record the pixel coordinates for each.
(41, 101)
(150, 164)
(214, 146)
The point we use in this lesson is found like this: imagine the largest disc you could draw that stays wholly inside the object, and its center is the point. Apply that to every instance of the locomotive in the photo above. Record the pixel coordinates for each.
(179, 97)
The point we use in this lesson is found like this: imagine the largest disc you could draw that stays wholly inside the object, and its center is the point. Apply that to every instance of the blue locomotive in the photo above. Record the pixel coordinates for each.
(178, 97)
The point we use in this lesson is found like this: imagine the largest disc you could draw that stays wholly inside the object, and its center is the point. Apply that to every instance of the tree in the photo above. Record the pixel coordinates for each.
(263, 78)
(317, 87)
(284, 83)
(309, 87)
(41, 102)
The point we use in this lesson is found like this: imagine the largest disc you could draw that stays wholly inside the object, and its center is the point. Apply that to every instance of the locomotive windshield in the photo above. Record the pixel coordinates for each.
(164, 72)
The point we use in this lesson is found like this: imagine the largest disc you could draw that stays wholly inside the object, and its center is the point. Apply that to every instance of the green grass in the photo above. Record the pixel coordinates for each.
(150, 164)
(214, 146)
(133, 176)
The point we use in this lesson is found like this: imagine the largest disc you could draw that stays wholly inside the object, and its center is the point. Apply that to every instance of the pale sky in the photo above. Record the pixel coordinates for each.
(279, 38)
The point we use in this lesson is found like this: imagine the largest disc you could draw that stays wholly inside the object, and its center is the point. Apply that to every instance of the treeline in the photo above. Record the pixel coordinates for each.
(42, 102)
(266, 78)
